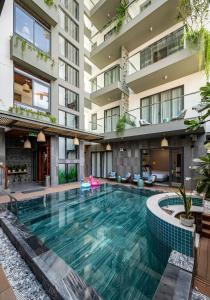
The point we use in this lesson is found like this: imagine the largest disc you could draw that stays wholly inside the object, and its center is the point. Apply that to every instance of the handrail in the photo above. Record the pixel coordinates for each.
(5, 172)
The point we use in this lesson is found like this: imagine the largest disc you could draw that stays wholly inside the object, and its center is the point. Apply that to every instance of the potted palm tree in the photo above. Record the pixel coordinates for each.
(186, 218)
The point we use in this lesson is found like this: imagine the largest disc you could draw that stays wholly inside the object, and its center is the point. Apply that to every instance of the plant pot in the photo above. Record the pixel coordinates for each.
(187, 222)
(206, 206)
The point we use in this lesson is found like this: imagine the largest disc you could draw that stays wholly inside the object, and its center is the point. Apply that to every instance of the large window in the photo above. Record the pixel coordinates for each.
(162, 48)
(94, 121)
(31, 30)
(68, 50)
(68, 119)
(68, 98)
(111, 116)
(67, 173)
(72, 6)
(68, 73)
(68, 25)
(162, 107)
(112, 76)
(31, 91)
(67, 149)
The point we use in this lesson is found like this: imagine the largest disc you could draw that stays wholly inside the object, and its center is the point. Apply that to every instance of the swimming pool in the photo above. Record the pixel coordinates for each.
(102, 234)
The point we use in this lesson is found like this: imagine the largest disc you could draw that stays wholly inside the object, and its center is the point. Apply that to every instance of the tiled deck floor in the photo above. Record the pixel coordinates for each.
(6, 292)
(202, 278)
(60, 188)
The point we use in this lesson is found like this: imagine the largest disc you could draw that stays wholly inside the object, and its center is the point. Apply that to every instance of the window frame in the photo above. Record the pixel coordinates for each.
(66, 154)
(94, 127)
(110, 109)
(67, 67)
(34, 21)
(65, 119)
(66, 92)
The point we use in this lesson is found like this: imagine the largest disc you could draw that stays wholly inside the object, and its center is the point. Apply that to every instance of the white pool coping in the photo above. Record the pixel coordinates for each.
(153, 204)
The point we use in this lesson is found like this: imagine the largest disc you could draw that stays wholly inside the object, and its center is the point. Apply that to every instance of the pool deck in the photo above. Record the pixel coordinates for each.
(202, 274)
(69, 186)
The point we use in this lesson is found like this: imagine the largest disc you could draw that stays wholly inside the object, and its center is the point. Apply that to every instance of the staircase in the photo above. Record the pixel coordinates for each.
(206, 225)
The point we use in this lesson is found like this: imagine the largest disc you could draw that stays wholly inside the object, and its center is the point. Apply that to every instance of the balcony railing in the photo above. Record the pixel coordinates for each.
(165, 111)
(106, 78)
(90, 3)
(157, 51)
(135, 7)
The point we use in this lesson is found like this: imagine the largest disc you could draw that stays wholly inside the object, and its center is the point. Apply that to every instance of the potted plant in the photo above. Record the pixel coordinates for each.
(13, 169)
(186, 218)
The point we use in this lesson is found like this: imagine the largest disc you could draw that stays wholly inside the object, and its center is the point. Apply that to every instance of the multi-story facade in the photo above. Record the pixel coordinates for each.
(41, 89)
(147, 72)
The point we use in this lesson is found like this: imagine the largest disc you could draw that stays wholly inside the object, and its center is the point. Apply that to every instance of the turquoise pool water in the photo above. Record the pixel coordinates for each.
(102, 234)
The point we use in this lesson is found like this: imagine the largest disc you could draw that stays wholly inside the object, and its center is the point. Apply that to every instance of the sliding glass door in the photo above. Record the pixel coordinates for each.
(101, 164)
(111, 116)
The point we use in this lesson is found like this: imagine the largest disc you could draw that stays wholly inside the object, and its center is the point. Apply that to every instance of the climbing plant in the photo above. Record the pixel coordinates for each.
(195, 16)
(50, 3)
(121, 123)
(40, 54)
(121, 14)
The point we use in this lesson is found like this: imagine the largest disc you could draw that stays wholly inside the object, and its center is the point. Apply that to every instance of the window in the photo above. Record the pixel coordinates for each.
(162, 107)
(31, 30)
(31, 91)
(68, 50)
(112, 76)
(68, 119)
(109, 33)
(68, 98)
(68, 73)
(72, 6)
(162, 48)
(67, 149)
(94, 121)
(67, 173)
(94, 85)
(111, 116)
(68, 25)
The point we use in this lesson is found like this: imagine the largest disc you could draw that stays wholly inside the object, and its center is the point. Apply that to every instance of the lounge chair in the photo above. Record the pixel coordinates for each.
(136, 178)
(126, 178)
(112, 175)
(150, 181)
(143, 122)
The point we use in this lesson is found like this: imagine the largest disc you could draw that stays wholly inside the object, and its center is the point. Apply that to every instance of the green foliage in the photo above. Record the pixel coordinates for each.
(40, 54)
(121, 14)
(121, 123)
(203, 171)
(195, 124)
(70, 176)
(29, 112)
(194, 15)
(187, 201)
(50, 3)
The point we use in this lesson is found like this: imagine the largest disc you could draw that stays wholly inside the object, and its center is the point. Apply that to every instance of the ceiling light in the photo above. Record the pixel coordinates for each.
(164, 143)
(108, 147)
(27, 144)
(150, 29)
(109, 56)
(165, 77)
(41, 137)
(76, 141)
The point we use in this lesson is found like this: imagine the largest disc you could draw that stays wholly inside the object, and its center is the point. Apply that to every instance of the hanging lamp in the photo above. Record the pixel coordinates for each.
(76, 141)
(27, 144)
(41, 137)
(164, 143)
(108, 147)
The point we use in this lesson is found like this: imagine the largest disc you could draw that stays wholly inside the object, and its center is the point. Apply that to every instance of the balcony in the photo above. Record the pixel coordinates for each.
(153, 120)
(101, 11)
(48, 13)
(145, 20)
(162, 62)
(107, 87)
(26, 55)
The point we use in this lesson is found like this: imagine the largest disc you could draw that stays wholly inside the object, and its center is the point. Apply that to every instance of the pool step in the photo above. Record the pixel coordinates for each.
(206, 217)
(205, 224)
(206, 233)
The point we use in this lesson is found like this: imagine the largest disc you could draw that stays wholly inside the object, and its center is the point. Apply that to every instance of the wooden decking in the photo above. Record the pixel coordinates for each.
(202, 275)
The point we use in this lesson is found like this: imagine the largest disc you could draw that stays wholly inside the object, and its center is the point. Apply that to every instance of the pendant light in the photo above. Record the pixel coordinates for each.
(108, 147)
(76, 141)
(164, 143)
(41, 137)
(27, 144)
(26, 87)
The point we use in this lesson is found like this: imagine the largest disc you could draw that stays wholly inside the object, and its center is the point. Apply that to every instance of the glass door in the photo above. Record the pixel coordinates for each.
(176, 166)
(101, 164)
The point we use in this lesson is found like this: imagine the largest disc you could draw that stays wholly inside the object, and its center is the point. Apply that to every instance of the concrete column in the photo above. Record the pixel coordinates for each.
(54, 160)
(81, 166)
(124, 104)
(2, 147)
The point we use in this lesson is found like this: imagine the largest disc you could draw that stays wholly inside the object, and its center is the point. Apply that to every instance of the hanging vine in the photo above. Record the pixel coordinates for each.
(195, 16)
(50, 3)
(121, 14)
(40, 54)
(121, 123)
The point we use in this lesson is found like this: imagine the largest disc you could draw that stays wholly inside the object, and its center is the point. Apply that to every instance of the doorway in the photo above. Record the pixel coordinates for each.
(166, 164)
(101, 163)
(43, 160)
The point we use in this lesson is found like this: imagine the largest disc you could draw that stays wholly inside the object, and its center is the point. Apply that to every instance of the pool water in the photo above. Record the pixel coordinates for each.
(102, 234)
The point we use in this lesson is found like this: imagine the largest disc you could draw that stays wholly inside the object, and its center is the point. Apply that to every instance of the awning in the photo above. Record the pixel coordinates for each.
(14, 121)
